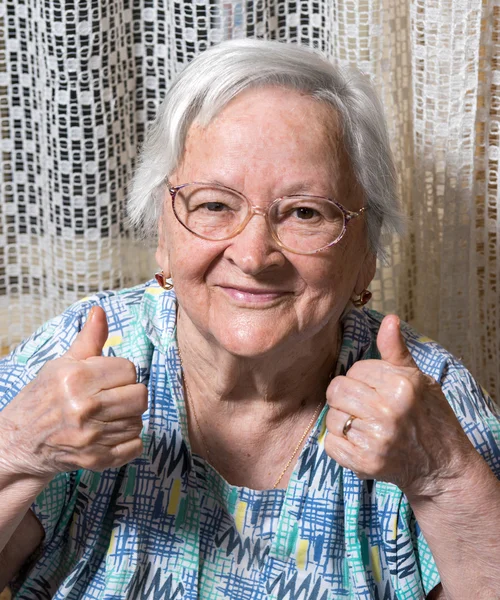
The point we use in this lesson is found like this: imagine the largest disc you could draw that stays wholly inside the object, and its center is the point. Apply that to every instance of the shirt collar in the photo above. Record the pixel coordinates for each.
(158, 315)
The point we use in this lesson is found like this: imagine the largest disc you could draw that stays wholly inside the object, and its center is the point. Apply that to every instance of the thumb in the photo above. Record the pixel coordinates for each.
(391, 344)
(92, 337)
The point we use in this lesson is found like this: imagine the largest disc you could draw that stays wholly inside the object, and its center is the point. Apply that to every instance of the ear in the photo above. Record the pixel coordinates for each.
(366, 273)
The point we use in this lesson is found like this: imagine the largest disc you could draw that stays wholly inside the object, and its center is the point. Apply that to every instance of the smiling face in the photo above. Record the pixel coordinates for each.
(246, 294)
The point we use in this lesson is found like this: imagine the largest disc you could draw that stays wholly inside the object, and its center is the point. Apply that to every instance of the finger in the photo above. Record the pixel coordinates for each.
(108, 457)
(336, 421)
(91, 339)
(359, 433)
(121, 403)
(385, 378)
(127, 451)
(106, 373)
(117, 432)
(353, 397)
(342, 451)
(391, 344)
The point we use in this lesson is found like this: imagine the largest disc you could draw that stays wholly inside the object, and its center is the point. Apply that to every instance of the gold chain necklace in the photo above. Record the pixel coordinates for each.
(297, 447)
(205, 445)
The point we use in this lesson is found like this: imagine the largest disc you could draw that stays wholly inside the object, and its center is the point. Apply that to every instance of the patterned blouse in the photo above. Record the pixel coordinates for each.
(168, 526)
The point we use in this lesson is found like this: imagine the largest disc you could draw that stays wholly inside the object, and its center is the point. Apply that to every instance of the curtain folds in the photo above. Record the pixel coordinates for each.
(79, 83)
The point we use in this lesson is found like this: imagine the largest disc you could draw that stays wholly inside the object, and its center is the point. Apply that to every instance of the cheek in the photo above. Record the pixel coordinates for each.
(185, 255)
(192, 259)
(328, 272)
(332, 279)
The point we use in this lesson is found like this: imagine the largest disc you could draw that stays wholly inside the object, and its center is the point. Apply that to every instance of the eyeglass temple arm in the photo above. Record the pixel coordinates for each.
(352, 214)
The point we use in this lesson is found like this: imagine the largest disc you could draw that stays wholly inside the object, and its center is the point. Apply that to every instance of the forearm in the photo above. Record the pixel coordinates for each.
(20, 483)
(462, 528)
(17, 493)
(23, 543)
(20, 531)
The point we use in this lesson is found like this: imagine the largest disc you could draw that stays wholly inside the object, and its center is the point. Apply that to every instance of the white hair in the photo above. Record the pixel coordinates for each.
(216, 76)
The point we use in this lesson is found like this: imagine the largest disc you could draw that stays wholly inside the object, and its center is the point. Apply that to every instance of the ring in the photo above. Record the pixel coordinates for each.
(347, 425)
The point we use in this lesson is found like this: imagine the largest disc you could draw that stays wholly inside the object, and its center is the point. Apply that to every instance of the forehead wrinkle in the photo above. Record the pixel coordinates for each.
(326, 127)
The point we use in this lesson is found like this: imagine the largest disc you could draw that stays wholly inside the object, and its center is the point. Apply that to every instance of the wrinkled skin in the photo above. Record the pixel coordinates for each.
(82, 410)
(405, 432)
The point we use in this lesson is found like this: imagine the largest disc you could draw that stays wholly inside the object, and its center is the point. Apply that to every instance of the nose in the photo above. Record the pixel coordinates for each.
(254, 249)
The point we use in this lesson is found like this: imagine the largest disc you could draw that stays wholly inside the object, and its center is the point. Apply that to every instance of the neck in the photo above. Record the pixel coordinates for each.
(250, 417)
(280, 383)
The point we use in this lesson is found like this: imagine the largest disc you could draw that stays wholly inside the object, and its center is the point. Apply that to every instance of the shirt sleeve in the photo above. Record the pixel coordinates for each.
(479, 417)
(477, 412)
(17, 370)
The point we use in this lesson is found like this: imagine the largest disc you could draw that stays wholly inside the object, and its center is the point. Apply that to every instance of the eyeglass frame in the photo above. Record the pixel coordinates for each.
(348, 215)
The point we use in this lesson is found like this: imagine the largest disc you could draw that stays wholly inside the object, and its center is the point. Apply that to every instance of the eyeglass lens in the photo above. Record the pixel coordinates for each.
(301, 223)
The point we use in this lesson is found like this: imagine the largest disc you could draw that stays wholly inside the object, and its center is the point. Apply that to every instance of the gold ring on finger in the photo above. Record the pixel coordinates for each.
(347, 425)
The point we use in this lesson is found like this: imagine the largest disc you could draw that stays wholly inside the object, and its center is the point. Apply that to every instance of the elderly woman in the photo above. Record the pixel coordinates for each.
(251, 432)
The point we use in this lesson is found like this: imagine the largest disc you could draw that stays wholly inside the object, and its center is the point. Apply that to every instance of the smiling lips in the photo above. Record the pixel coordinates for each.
(253, 295)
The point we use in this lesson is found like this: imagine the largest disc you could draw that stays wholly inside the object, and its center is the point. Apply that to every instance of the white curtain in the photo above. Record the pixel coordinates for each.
(79, 83)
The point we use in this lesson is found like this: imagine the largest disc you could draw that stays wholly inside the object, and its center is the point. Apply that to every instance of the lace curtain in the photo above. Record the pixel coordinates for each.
(79, 82)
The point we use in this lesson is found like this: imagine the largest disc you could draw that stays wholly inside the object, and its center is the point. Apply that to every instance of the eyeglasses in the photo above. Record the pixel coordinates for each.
(301, 224)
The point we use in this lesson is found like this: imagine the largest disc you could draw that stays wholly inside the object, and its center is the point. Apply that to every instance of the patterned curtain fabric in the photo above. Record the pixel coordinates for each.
(79, 82)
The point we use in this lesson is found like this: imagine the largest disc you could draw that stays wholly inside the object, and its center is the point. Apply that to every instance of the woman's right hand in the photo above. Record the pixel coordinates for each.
(83, 410)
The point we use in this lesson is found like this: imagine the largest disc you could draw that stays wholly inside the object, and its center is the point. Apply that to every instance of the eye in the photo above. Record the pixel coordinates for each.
(305, 212)
(215, 206)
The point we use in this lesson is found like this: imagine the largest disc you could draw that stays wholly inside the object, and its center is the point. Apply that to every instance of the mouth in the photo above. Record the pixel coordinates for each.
(254, 295)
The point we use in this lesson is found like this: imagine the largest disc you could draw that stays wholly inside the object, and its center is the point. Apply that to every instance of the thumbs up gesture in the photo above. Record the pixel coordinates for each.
(83, 410)
(389, 421)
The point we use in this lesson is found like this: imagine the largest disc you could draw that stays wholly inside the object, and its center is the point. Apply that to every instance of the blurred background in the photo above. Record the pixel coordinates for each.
(81, 79)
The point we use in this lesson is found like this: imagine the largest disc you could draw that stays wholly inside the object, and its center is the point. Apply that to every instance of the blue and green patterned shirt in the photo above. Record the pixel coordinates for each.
(168, 526)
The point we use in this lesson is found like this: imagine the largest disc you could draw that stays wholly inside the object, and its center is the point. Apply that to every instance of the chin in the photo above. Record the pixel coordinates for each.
(250, 343)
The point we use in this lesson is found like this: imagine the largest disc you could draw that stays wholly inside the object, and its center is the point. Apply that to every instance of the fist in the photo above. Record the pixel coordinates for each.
(403, 430)
(83, 410)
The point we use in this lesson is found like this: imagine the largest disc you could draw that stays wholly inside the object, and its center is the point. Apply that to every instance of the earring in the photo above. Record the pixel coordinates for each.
(162, 281)
(362, 299)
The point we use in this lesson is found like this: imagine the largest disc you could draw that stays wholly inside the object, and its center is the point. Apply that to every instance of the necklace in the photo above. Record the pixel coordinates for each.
(204, 441)
(297, 447)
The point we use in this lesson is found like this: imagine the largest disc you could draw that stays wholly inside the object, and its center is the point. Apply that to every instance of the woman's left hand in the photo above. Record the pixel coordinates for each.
(404, 430)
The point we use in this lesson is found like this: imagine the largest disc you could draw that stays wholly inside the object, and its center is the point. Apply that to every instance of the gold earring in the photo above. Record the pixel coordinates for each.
(362, 299)
(162, 281)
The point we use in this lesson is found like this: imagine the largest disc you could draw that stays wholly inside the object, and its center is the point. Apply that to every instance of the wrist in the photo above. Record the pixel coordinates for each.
(460, 525)
(461, 502)
(14, 471)
(31, 481)
(461, 475)
(17, 461)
